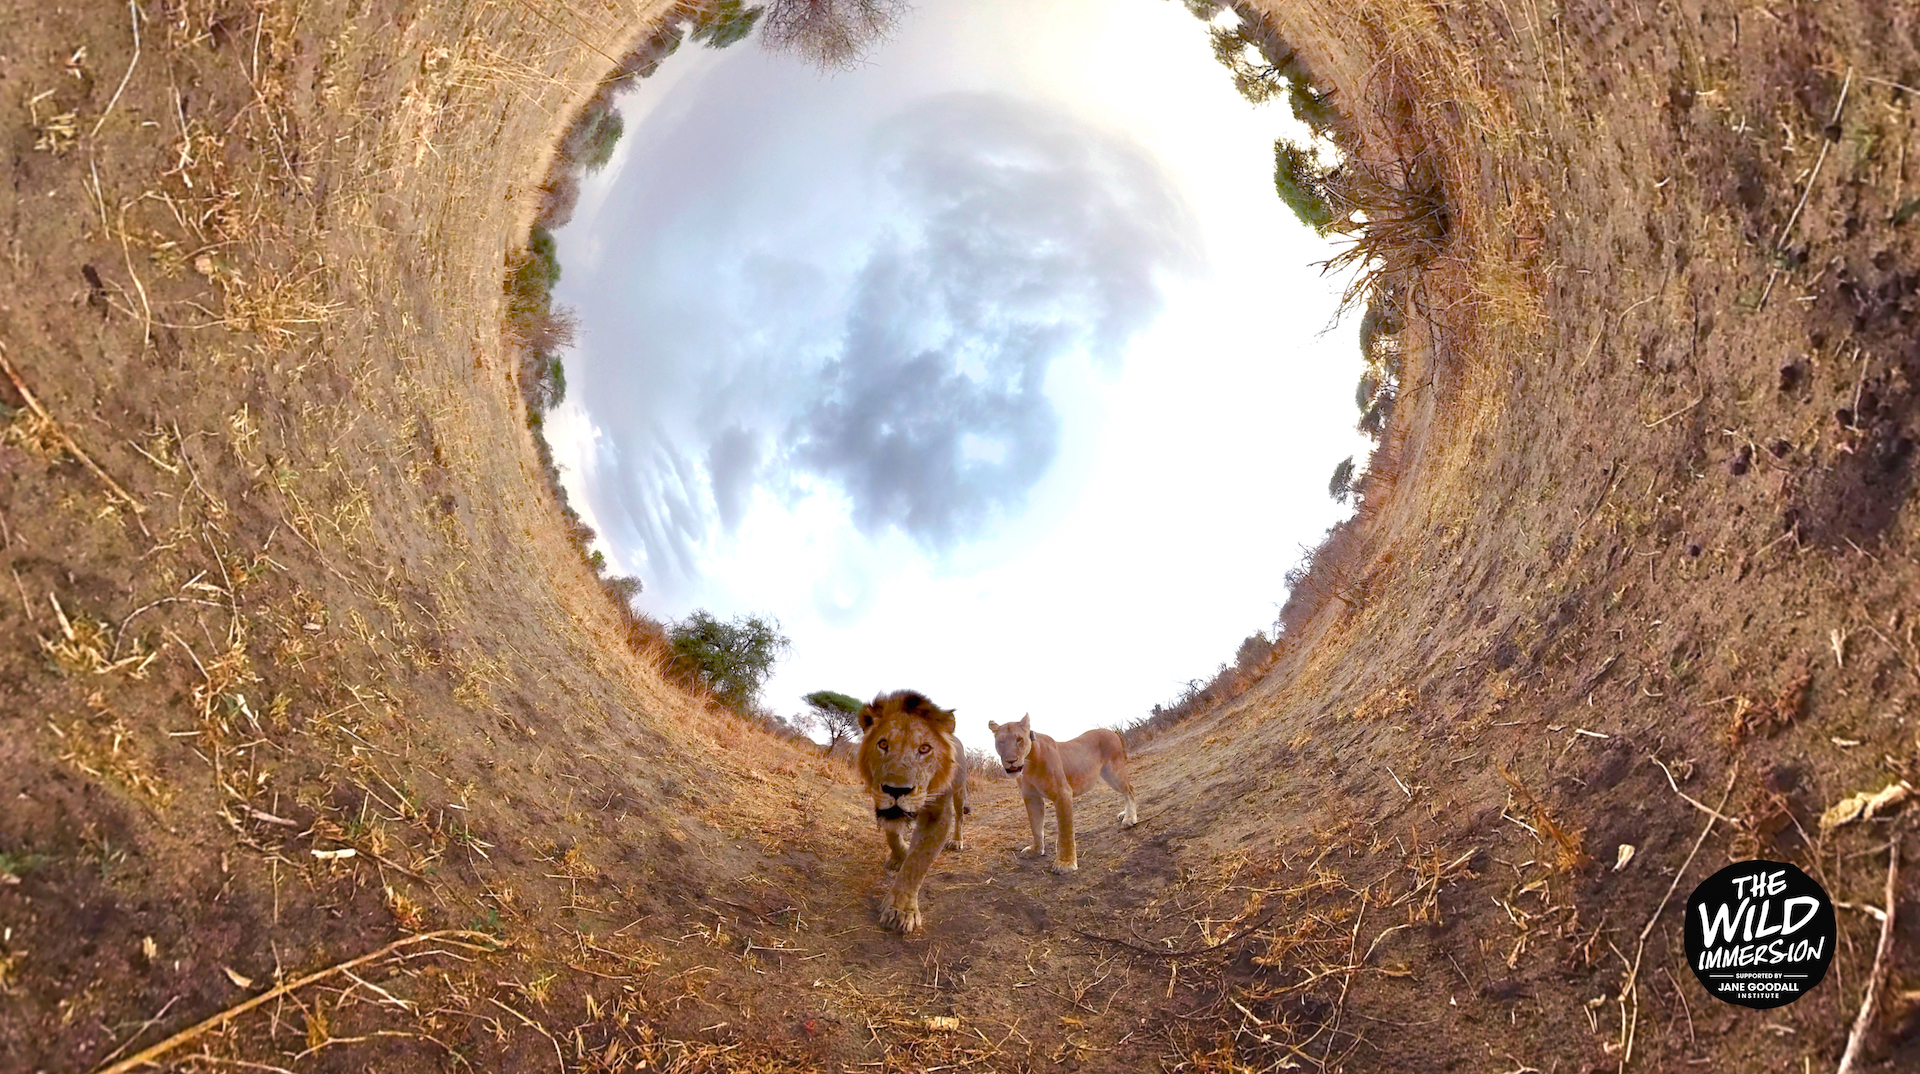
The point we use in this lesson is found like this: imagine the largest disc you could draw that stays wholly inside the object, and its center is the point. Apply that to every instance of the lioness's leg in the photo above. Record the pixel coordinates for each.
(1037, 818)
(1063, 861)
(1115, 773)
(898, 845)
(902, 912)
(959, 812)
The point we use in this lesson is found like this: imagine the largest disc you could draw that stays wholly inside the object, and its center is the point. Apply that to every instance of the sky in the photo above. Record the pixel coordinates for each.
(992, 368)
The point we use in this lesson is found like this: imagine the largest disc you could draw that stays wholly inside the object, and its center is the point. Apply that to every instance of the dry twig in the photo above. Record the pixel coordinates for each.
(1189, 953)
(133, 10)
(60, 431)
(147, 1056)
(1629, 988)
(1877, 978)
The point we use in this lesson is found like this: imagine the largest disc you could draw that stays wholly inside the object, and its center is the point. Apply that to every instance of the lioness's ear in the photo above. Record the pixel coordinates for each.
(991, 726)
(1026, 722)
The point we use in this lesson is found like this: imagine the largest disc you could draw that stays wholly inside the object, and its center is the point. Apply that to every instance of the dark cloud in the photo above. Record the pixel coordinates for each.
(732, 459)
(878, 315)
(1027, 238)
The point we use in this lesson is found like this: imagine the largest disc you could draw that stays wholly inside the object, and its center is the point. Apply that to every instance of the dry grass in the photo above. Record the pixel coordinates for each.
(1569, 849)
(1307, 932)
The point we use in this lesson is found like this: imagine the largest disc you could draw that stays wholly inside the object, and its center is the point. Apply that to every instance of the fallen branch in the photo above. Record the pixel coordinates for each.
(1878, 977)
(60, 431)
(147, 1056)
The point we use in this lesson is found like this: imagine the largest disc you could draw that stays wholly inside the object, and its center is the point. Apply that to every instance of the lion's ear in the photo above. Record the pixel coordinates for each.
(868, 716)
(940, 718)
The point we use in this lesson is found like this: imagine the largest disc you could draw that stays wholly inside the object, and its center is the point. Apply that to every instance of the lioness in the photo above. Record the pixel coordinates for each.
(911, 763)
(1061, 770)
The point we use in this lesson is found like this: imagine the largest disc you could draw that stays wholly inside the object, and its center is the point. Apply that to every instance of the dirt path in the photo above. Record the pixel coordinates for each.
(284, 581)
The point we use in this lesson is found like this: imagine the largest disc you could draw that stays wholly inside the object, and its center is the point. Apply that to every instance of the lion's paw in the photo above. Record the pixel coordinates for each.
(1031, 849)
(1066, 867)
(893, 863)
(955, 844)
(900, 919)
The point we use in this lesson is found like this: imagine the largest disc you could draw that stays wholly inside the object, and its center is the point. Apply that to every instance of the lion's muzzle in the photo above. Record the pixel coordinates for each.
(892, 803)
(1015, 769)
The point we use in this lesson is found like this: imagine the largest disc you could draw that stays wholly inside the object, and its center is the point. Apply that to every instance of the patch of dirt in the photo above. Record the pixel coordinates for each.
(284, 580)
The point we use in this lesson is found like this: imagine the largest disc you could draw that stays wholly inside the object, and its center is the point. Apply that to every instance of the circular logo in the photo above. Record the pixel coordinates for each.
(1760, 934)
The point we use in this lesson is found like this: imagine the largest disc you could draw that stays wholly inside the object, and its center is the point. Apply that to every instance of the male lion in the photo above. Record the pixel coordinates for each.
(1060, 771)
(912, 766)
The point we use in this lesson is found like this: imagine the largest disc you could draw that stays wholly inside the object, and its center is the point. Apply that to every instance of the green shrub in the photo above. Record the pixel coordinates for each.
(725, 23)
(601, 133)
(1364, 392)
(1301, 183)
(1374, 418)
(1311, 107)
(530, 283)
(621, 587)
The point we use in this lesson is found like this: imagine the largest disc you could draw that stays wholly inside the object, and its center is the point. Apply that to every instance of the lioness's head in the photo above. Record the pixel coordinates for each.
(907, 752)
(1014, 741)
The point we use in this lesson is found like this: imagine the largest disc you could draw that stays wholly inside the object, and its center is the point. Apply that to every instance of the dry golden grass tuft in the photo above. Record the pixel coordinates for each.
(110, 751)
(1568, 848)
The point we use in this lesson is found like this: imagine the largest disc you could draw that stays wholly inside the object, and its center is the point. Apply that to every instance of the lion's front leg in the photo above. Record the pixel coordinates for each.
(902, 911)
(897, 845)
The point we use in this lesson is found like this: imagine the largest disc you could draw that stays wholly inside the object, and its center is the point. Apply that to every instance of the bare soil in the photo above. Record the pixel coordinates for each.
(284, 580)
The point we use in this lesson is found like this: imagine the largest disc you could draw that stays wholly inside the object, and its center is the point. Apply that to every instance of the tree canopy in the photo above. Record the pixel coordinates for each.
(828, 33)
(726, 23)
(733, 660)
(1301, 182)
(1341, 487)
(835, 713)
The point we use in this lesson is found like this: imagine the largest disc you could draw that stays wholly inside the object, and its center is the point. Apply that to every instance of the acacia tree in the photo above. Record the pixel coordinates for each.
(828, 33)
(1341, 487)
(733, 660)
(835, 713)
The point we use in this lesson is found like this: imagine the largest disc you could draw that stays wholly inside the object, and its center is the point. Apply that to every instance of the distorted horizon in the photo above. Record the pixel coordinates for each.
(992, 367)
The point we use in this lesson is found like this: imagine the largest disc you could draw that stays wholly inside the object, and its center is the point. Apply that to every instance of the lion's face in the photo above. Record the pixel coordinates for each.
(1015, 743)
(907, 752)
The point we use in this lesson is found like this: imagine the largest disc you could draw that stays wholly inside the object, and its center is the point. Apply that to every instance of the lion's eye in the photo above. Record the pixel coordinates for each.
(926, 748)
(882, 745)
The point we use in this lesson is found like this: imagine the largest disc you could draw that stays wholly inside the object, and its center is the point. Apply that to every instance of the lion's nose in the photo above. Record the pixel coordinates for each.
(897, 792)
